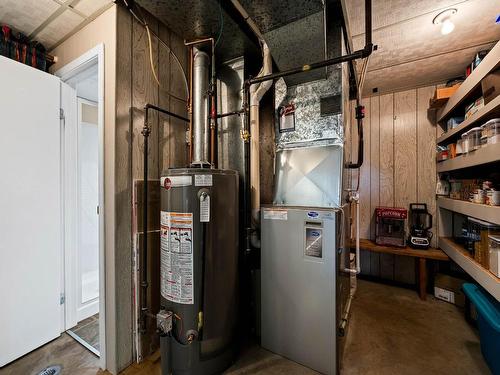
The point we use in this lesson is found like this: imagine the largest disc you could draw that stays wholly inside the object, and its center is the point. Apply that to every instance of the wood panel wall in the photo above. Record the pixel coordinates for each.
(399, 168)
(135, 87)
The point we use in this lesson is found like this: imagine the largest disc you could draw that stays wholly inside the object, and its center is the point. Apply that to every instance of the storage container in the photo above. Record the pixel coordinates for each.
(465, 142)
(494, 249)
(492, 131)
(474, 136)
(479, 231)
(488, 322)
(459, 148)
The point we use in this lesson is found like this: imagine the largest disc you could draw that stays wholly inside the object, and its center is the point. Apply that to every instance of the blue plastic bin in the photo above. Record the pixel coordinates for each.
(488, 321)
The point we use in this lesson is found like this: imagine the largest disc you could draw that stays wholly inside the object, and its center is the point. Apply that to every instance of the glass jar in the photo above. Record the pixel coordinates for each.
(474, 136)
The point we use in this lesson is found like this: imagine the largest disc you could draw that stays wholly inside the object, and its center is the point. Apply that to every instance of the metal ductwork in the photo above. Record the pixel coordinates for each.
(201, 134)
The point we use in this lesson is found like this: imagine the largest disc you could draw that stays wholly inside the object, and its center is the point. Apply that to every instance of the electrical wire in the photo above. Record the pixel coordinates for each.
(151, 56)
(151, 32)
(221, 24)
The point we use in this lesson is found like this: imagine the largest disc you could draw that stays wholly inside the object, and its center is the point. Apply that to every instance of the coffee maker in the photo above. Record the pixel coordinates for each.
(420, 223)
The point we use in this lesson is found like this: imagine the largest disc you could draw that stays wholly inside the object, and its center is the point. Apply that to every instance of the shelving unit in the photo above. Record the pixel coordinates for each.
(479, 211)
(484, 155)
(460, 256)
(489, 111)
(472, 84)
(467, 92)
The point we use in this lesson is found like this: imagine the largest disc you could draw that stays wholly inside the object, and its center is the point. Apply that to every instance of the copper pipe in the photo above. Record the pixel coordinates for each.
(190, 105)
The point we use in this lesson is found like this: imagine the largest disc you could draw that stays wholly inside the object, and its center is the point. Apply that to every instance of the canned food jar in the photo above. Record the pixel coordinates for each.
(494, 252)
(492, 128)
(494, 198)
(474, 136)
(478, 196)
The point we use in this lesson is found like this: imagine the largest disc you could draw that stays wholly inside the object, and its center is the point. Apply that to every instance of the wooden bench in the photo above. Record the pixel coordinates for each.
(422, 255)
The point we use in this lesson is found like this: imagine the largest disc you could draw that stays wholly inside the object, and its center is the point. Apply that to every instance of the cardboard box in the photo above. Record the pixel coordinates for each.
(473, 107)
(490, 86)
(442, 95)
(449, 289)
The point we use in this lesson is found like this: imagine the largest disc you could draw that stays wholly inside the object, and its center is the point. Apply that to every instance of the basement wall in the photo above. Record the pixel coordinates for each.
(103, 30)
(399, 168)
(167, 148)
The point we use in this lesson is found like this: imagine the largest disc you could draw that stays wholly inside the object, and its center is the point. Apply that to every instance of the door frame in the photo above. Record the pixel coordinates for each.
(80, 101)
(65, 73)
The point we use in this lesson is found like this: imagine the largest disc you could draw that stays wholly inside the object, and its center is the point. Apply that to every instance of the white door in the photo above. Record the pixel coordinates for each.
(88, 202)
(30, 209)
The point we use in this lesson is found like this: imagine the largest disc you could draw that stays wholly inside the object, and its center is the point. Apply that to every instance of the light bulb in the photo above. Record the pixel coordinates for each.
(447, 27)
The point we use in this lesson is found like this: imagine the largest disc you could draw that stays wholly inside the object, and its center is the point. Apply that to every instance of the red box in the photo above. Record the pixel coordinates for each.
(390, 226)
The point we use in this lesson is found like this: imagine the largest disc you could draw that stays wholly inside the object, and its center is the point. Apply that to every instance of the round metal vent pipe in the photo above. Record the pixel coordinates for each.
(201, 134)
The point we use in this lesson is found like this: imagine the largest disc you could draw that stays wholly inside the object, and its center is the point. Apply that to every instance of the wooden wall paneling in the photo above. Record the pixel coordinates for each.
(145, 90)
(164, 72)
(386, 180)
(364, 188)
(123, 183)
(426, 150)
(405, 168)
(178, 145)
(386, 170)
(374, 175)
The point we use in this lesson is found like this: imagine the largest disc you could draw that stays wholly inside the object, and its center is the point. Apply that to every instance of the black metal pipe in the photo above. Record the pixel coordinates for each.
(146, 131)
(304, 68)
(246, 155)
(232, 113)
(152, 106)
(368, 23)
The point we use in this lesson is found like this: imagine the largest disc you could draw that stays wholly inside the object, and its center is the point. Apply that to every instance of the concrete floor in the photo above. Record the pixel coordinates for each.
(391, 332)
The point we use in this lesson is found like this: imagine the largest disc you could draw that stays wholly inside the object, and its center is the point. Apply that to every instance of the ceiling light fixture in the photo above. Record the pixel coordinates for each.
(444, 19)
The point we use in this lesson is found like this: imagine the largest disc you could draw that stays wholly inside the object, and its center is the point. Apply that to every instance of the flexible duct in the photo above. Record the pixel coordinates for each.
(201, 134)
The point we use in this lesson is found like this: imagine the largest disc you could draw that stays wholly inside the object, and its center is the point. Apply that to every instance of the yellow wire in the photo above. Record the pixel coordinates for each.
(151, 56)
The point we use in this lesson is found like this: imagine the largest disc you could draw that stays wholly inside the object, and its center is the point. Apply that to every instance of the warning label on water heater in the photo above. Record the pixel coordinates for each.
(177, 257)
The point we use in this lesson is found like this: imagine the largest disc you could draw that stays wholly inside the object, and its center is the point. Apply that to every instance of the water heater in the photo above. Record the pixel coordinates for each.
(199, 259)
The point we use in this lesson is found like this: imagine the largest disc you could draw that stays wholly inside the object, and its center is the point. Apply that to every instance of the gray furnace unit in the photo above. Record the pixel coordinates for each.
(298, 281)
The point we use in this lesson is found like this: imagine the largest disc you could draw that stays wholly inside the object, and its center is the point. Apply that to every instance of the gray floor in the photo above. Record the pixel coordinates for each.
(394, 332)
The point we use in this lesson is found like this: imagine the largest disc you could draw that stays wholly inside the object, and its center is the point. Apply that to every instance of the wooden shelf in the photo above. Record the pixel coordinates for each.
(472, 83)
(430, 253)
(460, 256)
(484, 155)
(489, 111)
(479, 211)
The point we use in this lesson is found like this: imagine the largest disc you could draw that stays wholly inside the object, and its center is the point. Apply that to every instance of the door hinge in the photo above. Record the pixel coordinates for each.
(61, 113)
(62, 299)
(97, 209)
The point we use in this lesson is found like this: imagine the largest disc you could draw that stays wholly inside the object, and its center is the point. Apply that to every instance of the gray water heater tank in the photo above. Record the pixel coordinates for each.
(199, 261)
